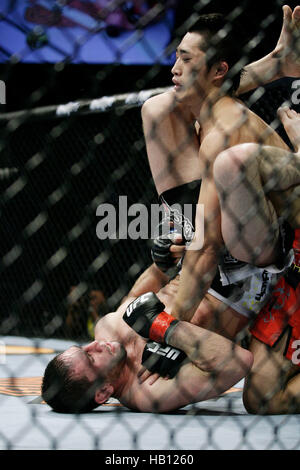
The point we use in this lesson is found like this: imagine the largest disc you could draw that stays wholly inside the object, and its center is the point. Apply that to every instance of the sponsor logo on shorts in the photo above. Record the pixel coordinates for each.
(271, 317)
(281, 298)
(265, 283)
(295, 268)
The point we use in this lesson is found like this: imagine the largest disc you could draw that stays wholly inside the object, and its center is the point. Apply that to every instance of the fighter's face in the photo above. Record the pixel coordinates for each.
(190, 74)
(103, 357)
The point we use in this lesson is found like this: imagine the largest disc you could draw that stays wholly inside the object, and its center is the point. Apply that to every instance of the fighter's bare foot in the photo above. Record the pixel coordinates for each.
(291, 122)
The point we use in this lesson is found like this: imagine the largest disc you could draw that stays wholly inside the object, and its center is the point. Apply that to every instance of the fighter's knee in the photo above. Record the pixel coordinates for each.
(231, 162)
(244, 361)
(248, 359)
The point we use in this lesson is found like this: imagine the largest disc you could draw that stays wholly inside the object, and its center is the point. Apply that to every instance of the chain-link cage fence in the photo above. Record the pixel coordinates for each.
(90, 182)
(78, 147)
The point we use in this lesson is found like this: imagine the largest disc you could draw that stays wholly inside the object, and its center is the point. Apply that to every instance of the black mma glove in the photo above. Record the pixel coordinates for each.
(147, 317)
(161, 255)
(160, 250)
(161, 359)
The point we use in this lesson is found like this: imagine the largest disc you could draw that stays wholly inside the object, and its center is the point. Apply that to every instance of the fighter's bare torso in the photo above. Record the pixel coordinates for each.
(177, 138)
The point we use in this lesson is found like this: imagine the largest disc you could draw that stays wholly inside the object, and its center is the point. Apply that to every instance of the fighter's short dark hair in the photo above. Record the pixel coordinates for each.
(220, 41)
(66, 393)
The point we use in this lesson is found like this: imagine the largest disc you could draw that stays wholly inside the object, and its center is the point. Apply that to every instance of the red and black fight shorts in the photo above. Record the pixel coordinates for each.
(283, 309)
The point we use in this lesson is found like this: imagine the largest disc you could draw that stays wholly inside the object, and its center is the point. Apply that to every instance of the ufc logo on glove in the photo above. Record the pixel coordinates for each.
(168, 352)
(140, 300)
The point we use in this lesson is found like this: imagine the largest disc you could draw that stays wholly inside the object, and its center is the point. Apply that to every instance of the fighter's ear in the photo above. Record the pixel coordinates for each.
(103, 393)
(221, 70)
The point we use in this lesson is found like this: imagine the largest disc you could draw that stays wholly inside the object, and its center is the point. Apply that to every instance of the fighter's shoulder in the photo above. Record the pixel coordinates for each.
(229, 110)
(159, 105)
(108, 322)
